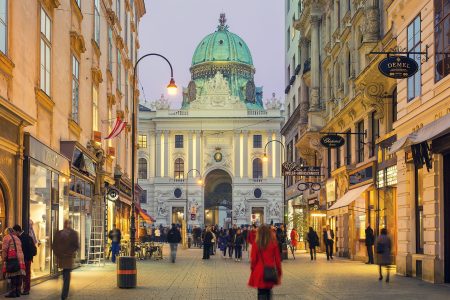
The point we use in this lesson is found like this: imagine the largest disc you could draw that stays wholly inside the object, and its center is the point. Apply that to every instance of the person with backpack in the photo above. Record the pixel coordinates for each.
(29, 251)
(313, 241)
(173, 238)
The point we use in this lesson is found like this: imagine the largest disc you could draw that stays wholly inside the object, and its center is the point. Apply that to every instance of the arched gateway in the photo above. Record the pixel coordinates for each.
(218, 198)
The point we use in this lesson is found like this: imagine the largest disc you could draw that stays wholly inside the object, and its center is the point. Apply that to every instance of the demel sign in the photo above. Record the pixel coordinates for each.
(398, 67)
(332, 141)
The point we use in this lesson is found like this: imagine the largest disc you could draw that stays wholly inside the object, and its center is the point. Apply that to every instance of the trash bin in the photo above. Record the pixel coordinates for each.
(126, 272)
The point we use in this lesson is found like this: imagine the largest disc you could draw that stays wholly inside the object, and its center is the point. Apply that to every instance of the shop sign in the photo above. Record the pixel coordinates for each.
(125, 189)
(332, 141)
(113, 194)
(398, 67)
(331, 190)
(313, 204)
(361, 176)
(296, 169)
(47, 156)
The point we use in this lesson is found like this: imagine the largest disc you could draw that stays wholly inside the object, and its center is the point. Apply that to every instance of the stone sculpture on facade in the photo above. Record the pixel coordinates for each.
(273, 103)
(240, 210)
(274, 209)
(161, 104)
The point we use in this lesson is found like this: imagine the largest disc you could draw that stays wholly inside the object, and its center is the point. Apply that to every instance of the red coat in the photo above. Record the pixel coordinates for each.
(294, 240)
(251, 237)
(271, 257)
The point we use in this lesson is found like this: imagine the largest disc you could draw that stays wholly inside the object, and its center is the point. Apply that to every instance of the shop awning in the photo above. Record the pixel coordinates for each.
(144, 215)
(350, 196)
(428, 132)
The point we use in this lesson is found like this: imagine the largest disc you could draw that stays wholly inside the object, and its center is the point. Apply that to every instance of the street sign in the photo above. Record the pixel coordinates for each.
(113, 194)
(398, 67)
(332, 141)
(296, 169)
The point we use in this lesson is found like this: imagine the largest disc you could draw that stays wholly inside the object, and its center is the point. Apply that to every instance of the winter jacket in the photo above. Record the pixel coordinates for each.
(208, 237)
(384, 247)
(174, 236)
(313, 239)
(28, 247)
(238, 240)
(65, 245)
(265, 257)
(294, 238)
(251, 237)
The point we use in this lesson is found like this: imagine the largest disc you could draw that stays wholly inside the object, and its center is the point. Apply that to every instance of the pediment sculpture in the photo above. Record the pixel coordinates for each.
(216, 94)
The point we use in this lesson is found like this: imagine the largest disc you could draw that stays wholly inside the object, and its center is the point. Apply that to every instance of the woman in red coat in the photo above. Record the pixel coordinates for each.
(294, 238)
(265, 252)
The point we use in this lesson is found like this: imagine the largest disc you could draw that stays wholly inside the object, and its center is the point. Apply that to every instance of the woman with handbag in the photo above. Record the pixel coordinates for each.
(265, 263)
(13, 262)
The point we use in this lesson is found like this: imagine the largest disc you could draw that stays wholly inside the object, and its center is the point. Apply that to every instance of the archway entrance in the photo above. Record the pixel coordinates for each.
(2, 211)
(218, 199)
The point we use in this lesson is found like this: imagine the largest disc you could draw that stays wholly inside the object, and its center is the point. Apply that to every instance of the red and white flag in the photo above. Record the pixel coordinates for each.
(118, 127)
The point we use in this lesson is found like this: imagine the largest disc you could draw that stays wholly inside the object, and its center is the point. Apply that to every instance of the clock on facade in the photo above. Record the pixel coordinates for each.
(218, 157)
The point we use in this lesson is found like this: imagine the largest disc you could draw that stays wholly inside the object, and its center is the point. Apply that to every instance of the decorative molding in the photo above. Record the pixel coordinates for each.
(97, 76)
(51, 4)
(6, 65)
(111, 99)
(352, 114)
(15, 115)
(119, 42)
(44, 100)
(74, 128)
(372, 98)
(77, 10)
(77, 42)
(96, 48)
(133, 26)
(111, 16)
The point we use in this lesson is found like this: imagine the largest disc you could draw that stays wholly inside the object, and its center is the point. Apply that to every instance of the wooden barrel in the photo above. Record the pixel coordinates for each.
(126, 272)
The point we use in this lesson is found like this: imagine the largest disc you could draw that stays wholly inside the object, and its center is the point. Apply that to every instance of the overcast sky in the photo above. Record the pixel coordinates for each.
(174, 28)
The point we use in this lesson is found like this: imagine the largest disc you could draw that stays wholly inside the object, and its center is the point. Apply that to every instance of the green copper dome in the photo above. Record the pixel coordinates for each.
(222, 46)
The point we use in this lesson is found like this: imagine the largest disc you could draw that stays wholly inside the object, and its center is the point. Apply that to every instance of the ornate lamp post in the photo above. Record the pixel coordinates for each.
(172, 90)
(187, 205)
(265, 158)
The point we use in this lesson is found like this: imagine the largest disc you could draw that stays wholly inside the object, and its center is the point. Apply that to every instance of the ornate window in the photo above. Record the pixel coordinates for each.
(441, 32)
(418, 191)
(414, 82)
(257, 141)
(97, 22)
(94, 107)
(360, 141)
(75, 88)
(375, 134)
(4, 26)
(143, 198)
(142, 141)
(348, 148)
(110, 47)
(119, 71)
(179, 141)
(179, 168)
(257, 168)
(142, 168)
(46, 52)
(118, 12)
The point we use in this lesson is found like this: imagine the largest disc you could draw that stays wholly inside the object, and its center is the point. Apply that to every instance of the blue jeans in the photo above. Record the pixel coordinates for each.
(173, 251)
(115, 247)
(238, 252)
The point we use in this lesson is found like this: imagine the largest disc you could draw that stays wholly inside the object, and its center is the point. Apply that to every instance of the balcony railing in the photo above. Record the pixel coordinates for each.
(255, 112)
(297, 69)
(179, 113)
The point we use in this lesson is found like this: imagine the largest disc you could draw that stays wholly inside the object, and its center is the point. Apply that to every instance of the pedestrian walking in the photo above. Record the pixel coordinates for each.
(265, 263)
(245, 235)
(238, 244)
(223, 242)
(157, 235)
(384, 247)
(370, 239)
(281, 238)
(294, 238)
(207, 243)
(65, 245)
(328, 239)
(115, 236)
(29, 251)
(173, 238)
(230, 244)
(313, 242)
(13, 262)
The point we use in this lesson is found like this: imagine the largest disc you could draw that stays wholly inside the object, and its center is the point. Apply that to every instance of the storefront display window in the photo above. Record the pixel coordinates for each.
(40, 217)
(419, 209)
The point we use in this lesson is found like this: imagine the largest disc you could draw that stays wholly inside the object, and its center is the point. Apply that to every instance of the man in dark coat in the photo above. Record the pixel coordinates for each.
(328, 239)
(29, 250)
(173, 238)
(115, 235)
(370, 240)
(207, 243)
(65, 245)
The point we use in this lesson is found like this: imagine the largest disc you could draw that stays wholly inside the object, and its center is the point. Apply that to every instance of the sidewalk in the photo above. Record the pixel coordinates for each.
(193, 278)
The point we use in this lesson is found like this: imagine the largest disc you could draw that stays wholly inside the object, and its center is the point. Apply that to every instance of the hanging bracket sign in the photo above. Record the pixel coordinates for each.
(332, 141)
(113, 194)
(398, 67)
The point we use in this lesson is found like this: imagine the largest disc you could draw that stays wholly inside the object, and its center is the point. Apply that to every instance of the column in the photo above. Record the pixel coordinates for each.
(190, 153)
(167, 147)
(315, 62)
(270, 155)
(278, 155)
(245, 153)
(152, 147)
(198, 160)
(304, 101)
(158, 149)
(237, 154)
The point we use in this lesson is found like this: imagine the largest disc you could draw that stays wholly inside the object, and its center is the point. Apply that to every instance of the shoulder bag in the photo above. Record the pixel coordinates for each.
(12, 263)
(270, 273)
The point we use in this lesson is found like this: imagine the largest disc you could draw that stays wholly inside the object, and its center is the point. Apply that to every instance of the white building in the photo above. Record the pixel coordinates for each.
(218, 138)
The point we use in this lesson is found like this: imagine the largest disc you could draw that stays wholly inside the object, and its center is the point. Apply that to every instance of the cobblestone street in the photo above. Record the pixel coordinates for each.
(193, 278)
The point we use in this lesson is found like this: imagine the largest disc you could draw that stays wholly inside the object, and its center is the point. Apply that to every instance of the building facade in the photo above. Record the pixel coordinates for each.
(422, 147)
(346, 95)
(65, 73)
(204, 162)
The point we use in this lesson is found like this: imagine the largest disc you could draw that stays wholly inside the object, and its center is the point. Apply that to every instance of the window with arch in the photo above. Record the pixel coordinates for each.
(142, 168)
(257, 168)
(179, 168)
